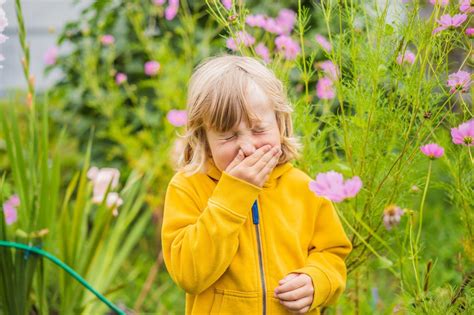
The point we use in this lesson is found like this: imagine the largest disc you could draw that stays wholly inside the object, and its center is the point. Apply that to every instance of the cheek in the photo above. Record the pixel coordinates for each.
(272, 138)
(224, 154)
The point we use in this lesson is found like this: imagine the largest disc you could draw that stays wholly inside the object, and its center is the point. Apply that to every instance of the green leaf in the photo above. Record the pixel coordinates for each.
(383, 263)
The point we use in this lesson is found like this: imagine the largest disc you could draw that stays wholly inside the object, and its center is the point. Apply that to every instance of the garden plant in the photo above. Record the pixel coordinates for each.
(383, 108)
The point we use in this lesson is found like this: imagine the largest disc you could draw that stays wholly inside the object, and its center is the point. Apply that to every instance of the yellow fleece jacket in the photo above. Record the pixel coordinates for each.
(227, 243)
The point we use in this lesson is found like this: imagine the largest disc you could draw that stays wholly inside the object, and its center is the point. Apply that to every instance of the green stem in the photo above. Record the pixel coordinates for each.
(465, 105)
(425, 191)
(406, 144)
(340, 97)
(363, 240)
(415, 245)
(374, 234)
(301, 28)
(414, 257)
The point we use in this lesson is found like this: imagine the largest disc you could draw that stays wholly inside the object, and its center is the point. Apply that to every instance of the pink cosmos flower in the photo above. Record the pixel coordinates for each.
(447, 21)
(352, 187)
(245, 38)
(14, 200)
(470, 31)
(288, 46)
(241, 38)
(325, 89)
(101, 179)
(3, 38)
(227, 4)
(332, 186)
(407, 57)
(432, 150)
(120, 78)
(272, 26)
(107, 39)
(392, 215)
(263, 52)
(323, 42)
(172, 9)
(231, 44)
(329, 185)
(286, 19)
(329, 68)
(257, 20)
(466, 6)
(159, 2)
(113, 201)
(10, 214)
(177, 118)
(442, 3)
(464, 133)
(9, 209)
(460, 80)
(51, 55)
(152, 67)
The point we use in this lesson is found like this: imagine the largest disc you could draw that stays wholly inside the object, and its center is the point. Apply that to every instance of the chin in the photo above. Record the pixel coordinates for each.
(221, 167)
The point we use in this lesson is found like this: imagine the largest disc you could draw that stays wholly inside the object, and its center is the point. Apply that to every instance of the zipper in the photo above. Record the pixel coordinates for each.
(255, 220)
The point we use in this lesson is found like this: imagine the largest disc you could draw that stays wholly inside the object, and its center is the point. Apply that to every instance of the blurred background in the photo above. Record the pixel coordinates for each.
(112, 75)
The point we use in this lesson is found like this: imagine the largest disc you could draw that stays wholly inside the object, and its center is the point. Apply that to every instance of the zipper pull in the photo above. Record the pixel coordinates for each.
(255, 212)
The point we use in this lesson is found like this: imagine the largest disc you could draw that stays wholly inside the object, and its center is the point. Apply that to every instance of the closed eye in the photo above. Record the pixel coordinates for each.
(258, 131)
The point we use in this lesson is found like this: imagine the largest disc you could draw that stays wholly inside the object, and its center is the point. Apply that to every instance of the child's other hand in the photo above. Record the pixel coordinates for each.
(295, 292)
(255, 168)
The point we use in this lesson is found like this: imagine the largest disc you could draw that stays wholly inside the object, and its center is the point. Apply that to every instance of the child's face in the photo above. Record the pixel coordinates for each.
(225, 146)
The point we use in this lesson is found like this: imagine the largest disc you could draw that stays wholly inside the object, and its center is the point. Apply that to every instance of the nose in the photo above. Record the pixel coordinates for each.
(248, 148)
(248, 143)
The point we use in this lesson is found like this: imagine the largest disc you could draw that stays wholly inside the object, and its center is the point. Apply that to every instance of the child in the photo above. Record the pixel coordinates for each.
(242, 233)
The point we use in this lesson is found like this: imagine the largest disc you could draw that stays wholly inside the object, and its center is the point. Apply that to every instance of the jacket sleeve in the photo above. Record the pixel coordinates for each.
(325, 263)
(199, 244)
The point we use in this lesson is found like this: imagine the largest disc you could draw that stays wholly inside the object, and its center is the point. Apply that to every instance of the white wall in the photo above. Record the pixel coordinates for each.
(44, 19)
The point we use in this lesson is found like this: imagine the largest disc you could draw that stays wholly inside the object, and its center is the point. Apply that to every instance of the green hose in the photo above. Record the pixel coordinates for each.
(68, 269)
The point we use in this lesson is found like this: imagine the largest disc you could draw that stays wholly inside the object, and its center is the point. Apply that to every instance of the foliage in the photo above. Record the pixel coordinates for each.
(364, 103)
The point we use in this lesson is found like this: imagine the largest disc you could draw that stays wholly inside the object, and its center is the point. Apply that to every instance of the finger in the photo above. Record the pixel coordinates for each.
(293, 284)
(297, 305)
(304, 309)
(238, 158)
(266, 159)
(265, 173)
(267, 168)
(288, 277)
(297, 294)
(252, 159)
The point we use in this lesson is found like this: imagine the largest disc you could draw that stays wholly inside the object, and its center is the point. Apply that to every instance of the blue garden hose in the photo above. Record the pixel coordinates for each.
(68, 269)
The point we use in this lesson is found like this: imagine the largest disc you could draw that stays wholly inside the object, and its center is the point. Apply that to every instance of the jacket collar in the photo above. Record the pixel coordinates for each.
(213, 172)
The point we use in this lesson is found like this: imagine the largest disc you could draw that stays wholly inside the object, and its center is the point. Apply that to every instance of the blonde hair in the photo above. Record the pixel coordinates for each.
(217, 100)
